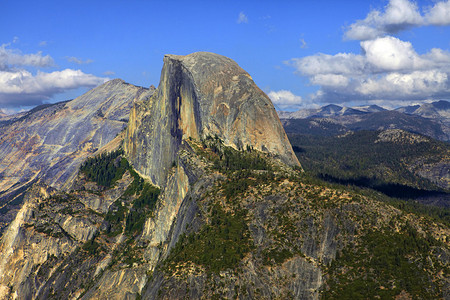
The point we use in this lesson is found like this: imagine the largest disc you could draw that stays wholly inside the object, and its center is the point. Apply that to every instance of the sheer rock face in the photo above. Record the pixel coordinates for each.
(202, 94)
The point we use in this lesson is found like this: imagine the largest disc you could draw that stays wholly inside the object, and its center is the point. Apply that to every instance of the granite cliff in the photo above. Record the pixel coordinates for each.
(206, 199)
(199, 95)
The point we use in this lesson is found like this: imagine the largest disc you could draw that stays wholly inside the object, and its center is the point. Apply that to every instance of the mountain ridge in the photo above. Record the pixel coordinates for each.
(431, 119)
(440, 108)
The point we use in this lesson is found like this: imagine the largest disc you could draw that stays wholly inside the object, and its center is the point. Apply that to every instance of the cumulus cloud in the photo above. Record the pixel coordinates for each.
(398, 15)
(388, 68)
(330, 80)
(285, 99)
(23, 88)
(13, 57)
(439, 14)
(20, 87)
(414, 84)
(341, 63)
(242, 18)
(392, 54)
(79, 61)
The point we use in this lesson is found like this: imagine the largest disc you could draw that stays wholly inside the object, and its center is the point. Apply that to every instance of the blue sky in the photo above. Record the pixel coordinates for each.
(301, 53)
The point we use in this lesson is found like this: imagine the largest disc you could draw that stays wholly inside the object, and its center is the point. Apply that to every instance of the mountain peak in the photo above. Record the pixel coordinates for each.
(441, 105)
(115, 81)
(207, 67)
(64, 134)
(202, 94)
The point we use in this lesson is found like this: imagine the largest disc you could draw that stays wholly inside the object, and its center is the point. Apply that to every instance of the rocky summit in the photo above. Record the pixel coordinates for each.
(200, 197)
(199, 95)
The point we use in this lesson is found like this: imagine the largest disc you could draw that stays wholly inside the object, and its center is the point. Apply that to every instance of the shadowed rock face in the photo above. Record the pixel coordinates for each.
(202, 94)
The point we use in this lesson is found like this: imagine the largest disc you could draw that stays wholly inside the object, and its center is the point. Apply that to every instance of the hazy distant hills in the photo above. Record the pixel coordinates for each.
(330, 110)
(430, 119)
(437, 109)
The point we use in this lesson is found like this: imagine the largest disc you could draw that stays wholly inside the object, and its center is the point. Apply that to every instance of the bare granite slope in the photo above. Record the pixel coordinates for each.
(51, 143)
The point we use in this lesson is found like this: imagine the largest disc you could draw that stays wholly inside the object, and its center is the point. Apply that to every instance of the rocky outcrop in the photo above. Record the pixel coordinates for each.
(45, 241)
(399, 136)
(199, 95)
(49, 144)
(30, 241)
(52, 142)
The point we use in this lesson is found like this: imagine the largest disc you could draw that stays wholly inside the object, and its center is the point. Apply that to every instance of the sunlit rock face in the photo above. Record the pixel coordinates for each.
(202, 94)
(53, 141)
(50, 143)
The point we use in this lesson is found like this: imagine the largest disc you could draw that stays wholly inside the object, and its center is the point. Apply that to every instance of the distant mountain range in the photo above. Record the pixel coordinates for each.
(431, 119)
(437, 109)
(344, 145)
(330, 110)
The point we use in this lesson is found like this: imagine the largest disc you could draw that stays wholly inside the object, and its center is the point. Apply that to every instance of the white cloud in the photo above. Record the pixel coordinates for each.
(109, 73)
(13, 57)
(387, 69)
(398, 15)
(242, 18)
(438, 56)
(43, 43)
(284, 99)
(341, 63)
(23, 88)
(391, 54)
(414, 84)
(330, 80)
(439, 14)
(79, 61)
(20, 87)
(380, 55)
(401, 13)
